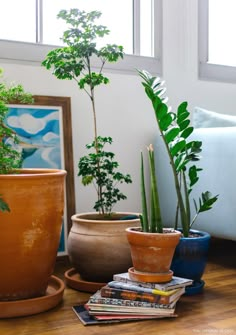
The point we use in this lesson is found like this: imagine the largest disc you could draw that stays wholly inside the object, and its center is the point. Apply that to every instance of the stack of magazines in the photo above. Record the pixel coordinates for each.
(125, 300)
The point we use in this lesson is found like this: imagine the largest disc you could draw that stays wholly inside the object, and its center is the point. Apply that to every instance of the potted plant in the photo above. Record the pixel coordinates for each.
(183, 152)
(152, 245)
(31, 210)
(93, 235)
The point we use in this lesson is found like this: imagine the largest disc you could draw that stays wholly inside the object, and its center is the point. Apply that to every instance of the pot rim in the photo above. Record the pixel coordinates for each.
(86, 216)
(34, 172)
(167, 231)
(203, 235)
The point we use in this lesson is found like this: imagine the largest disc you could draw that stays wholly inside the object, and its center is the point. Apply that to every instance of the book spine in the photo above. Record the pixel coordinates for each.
(126, 303)
(144, 285)
(137, 288)
(109, 292)
(175, 283)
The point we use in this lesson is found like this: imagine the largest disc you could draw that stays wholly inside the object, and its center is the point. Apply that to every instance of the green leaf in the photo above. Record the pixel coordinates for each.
(4, 206)
(160, 109)
(193, 176)
(165, 122)
(156, 223)
(149, 92)
(183, 124)
(157, 104)
(181, 161)
(194, 146)
(186, 132)
(183, 116)
(177, 147)
(206, 202)
(86, 180)
(144, 216)
(182, 109)
(171, 134)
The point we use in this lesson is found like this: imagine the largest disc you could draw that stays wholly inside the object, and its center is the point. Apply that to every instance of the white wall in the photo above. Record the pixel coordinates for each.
(124, 112)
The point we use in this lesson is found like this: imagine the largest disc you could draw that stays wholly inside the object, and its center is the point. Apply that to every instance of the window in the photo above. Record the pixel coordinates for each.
(135, 24)
(217, 50)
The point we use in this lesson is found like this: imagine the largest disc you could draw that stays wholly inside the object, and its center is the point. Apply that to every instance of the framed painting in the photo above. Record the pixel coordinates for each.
(44, 130)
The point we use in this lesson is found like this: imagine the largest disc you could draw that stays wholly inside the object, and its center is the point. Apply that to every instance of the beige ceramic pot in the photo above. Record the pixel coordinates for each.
(30, 232)
(152, 254)
(99, 248)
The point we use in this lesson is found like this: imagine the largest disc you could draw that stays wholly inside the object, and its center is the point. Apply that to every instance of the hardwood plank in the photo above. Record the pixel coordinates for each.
(212, 312)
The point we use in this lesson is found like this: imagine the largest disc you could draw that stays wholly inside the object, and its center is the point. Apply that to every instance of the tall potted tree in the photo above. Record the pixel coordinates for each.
(175, 129)
(93, 235)
(31, 210)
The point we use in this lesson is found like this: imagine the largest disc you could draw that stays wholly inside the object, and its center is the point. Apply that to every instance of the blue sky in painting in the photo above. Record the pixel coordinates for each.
(39, 132)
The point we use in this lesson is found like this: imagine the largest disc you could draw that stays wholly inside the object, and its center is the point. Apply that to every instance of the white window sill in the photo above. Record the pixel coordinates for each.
(34, 54)
(216, 72)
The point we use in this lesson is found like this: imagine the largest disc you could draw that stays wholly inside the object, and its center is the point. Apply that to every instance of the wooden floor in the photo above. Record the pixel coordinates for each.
(212, 312)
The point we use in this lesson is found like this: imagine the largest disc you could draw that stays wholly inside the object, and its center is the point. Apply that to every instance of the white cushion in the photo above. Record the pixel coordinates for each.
(218, 176)
(203, 118)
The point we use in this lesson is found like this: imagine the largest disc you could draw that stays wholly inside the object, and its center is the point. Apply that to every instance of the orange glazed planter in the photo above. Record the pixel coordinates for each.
(152, 254)
(30, 232)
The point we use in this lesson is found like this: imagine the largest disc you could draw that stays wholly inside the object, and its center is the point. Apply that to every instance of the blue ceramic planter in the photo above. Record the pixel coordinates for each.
(190, 256)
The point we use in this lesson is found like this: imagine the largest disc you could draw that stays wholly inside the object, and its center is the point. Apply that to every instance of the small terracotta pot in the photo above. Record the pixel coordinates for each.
(99, 248)
(152, 254)
(30, 232)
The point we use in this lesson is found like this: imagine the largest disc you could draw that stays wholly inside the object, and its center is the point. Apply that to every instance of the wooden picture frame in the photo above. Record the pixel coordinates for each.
(49, 116)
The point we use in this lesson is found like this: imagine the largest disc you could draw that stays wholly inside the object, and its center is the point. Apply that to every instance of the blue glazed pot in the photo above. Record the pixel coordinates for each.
(190, 256)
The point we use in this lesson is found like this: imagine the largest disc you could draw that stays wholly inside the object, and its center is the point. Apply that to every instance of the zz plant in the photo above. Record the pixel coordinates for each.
(175, 130)
(74, 62)
(10, 157)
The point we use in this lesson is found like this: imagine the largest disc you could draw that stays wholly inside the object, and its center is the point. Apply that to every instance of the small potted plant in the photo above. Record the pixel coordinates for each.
(93, 235)
(152, 245)
(183, 152)
(31, 210)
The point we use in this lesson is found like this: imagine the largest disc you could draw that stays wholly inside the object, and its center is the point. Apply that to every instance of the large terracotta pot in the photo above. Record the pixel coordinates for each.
(99, 248)
(30, 232)
(152, 254)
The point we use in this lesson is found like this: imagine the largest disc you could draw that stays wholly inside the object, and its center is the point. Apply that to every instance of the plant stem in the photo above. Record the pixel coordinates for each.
(92, 97)
(177, 185)
(187, 206)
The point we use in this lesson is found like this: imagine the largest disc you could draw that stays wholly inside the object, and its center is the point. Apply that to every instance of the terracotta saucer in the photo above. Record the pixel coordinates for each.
(54, 294)
(73, 280)
(149, 277)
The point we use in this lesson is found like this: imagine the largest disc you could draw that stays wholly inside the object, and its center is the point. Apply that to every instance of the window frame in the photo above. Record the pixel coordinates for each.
(34, 53)
(207, 70)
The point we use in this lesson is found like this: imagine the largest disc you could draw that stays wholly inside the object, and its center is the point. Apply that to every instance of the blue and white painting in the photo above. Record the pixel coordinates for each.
(40, 135)
(39, 129)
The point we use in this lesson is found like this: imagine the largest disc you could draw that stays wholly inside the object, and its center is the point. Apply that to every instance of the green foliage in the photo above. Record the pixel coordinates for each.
(150, 223)
(175, 130)
(10, 158)
(74, 62)
(3, 206)
(100, 169)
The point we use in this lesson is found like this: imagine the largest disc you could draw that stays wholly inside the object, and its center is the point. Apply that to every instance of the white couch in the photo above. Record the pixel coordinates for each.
(218, 176)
